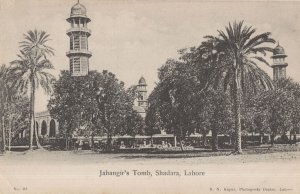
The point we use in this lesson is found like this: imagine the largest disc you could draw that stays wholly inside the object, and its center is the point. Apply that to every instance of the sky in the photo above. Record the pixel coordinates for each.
(134, 38)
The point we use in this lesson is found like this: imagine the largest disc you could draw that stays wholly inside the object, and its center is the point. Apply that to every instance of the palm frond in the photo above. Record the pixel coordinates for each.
(261, 59)
(46, 81)
(44, 64)
(237, 43)
(261, 77)
(35, 42)
(259, 39)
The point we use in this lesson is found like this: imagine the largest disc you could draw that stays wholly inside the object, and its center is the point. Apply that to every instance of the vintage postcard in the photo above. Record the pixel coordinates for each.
(158, 97)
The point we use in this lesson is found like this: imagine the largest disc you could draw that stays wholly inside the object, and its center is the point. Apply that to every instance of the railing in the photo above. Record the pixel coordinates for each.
(76, 29)
(80, 51)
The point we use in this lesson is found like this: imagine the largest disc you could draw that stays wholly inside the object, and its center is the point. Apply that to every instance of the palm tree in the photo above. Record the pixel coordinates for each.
(235, 64)
(35, 43)
(31, 69)
(32, 73)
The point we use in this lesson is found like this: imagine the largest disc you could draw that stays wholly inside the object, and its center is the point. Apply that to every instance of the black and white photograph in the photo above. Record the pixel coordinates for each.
(153, 97)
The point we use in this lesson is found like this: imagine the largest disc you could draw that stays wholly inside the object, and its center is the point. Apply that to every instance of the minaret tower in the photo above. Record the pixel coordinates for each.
(142, 90)
(79, 53)
(279, 65)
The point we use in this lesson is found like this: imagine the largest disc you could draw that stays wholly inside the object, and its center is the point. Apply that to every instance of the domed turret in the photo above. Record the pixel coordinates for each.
(279, 64)
(78, 10)
(278, 50)
(142, 81)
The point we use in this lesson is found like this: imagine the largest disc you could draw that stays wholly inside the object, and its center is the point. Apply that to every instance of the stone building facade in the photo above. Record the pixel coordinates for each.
(46, 126)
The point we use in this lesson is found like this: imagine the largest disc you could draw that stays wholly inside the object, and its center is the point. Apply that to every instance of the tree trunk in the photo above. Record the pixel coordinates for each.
(134, 142)
(175, 141)
(32, 93)
(9, 135)
(92, 143)
(214, 140)
(272, 139)
(180, 140)
(204, 139)
(2, 120)
(261, 138)
(180, 143)
(108, 144)
(3, 134)
(237, 113)
(66, 136)
(32, 118)
(37, 138)
(151, 141)
(68, 143)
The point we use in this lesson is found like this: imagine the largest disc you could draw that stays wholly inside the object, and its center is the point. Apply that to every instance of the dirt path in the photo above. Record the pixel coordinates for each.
(67, 172)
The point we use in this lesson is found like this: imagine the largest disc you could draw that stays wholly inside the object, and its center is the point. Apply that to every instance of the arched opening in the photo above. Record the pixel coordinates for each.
(44, 128)
(37, 128)
(52, 128)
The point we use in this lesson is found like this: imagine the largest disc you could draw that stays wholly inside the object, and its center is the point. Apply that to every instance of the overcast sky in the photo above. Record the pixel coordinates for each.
(132, 38)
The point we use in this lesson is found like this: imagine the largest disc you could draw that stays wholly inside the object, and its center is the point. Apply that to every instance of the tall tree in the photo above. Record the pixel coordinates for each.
(4, 94)
(16, 117)
(292, 87)
(240, 71)
(171, 101)
(218, 107)
(32, 69)
(282, 107)
(96, 104)
(13, 105)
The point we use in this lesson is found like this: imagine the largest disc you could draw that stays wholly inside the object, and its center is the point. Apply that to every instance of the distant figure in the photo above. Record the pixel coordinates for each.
(80, 145)
(122, 146)
(77, 145)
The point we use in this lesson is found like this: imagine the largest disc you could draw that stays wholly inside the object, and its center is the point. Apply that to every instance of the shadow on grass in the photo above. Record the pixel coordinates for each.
(249, 150)
(175, 154)
(166, 154)
(266, 149)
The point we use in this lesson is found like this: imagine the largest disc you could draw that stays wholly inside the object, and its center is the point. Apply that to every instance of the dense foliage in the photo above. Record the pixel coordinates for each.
(14, 108)
(178, 106)
(276, 112)
(218, 86)
(96, 104)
